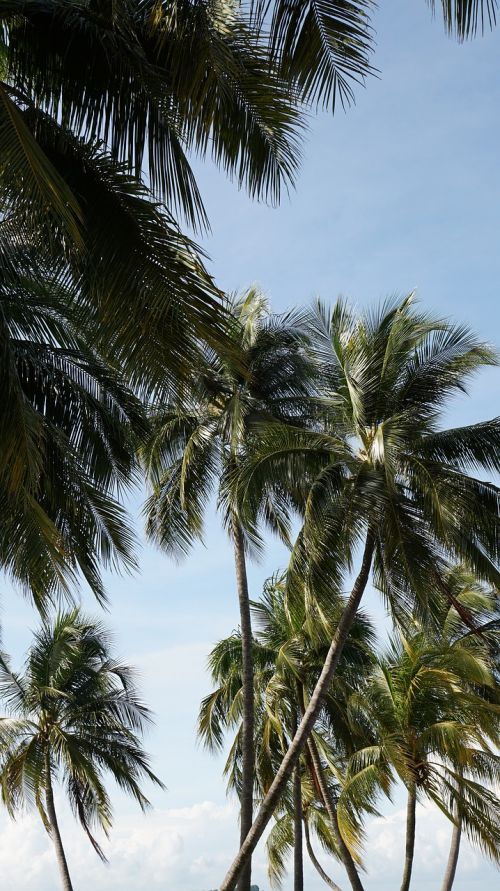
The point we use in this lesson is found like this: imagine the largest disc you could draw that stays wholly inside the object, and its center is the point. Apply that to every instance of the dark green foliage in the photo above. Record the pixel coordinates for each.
(69, 429)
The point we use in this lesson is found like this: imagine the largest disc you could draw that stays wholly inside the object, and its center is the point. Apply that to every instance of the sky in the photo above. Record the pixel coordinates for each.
(402, 192)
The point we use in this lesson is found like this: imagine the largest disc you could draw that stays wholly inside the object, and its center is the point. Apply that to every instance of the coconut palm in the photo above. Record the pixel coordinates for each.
(385, 481)
(300, 639)
(145, 99)
(286, 653)
(69, 430)
(75, 139)
(438, 735)
(74, 716)
(198, 441)
(301, 807)
(95, 157)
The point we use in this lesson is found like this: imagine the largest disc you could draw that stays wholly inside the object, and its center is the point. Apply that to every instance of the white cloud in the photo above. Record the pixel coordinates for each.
(189, 849)
(182, 848)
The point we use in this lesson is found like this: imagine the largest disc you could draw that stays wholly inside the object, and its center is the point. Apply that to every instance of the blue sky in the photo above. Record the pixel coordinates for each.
(401, 192)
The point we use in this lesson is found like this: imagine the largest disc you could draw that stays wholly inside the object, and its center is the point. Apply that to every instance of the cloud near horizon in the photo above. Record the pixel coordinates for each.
(189, 849)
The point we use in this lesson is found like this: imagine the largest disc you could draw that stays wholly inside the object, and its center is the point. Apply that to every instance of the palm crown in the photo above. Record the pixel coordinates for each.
(428, 709)
(378, 461)
(288, 652)
(74, 715)
(199, 439)
(80, 143)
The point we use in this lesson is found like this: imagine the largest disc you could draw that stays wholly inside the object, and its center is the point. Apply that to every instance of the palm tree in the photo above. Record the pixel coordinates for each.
(300, 639)
(79, 145)
(384, 480)
(69, 430)
(74, 141)
(287, 651)
(197, 443)
(74, 715)
(438, 734)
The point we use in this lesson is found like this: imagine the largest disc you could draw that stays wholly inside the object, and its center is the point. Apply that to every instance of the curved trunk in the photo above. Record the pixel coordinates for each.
(307, 723)
(247, 765)
(410, 837)
(56, 835)
(315, 862)
(298, 862)
(451, 866)
(345, 854)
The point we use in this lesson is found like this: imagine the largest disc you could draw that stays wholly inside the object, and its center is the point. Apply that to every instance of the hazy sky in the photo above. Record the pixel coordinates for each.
(401, 192)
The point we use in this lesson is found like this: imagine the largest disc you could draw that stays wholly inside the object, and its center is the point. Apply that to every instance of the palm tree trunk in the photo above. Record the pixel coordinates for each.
(297, 745)
(248, 757)
(315, 862)
(298, 861)
(345, 854)
(451, 866)
(410, 837)
(56, 835)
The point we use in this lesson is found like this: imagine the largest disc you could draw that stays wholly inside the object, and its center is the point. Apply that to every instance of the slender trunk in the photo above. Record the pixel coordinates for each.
(298, 862)
(451, 866)
(56, 835)
(248, 760)
(410, 837)
(297, 745)
(319, 780)
(315, 862)
(345, 854)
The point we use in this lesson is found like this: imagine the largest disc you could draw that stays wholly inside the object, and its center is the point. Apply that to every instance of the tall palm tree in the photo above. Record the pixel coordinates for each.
(74, 715)
(286, 653)
(69, 430)
(385, 481)
(437, 733)
(197, 443)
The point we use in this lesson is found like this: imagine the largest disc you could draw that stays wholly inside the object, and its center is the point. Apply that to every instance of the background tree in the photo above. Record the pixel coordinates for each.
(431, 723)
(393, 486)
(286, 654)
(197, 443)
(74, 715)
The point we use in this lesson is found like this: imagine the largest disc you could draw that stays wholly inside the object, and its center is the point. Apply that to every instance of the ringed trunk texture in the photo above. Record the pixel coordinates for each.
(410, 837)
(345, 854)
(307, 723)
(248, 759)
(315, 862)
(56, 836)
(298, 860)
(451, 866)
